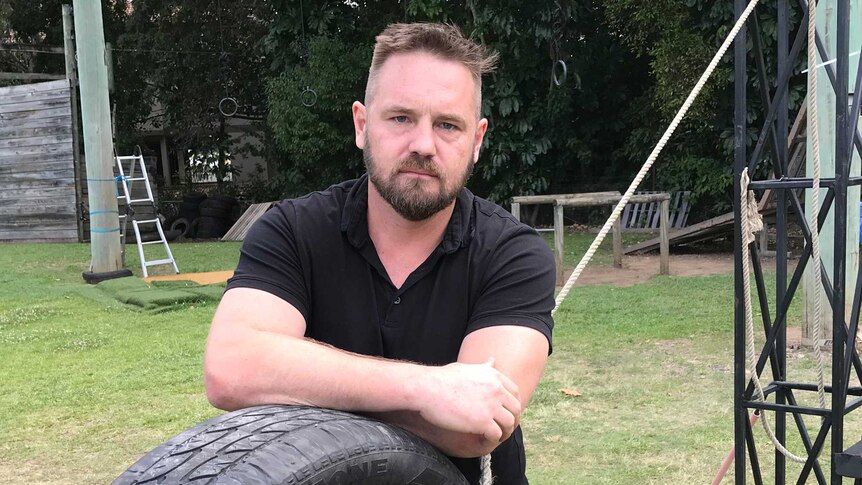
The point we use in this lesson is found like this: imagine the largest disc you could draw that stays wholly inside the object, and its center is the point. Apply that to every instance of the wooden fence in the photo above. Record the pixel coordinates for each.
(37, 175)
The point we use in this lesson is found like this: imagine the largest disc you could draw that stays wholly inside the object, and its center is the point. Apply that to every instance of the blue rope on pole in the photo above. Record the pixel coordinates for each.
(102, 231)
(104, 212)
(113, 179)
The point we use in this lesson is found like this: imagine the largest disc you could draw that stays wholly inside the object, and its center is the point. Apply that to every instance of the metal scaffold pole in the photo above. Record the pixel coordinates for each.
(761, 383)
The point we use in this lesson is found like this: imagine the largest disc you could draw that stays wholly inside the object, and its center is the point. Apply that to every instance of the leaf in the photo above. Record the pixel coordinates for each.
(571, 392)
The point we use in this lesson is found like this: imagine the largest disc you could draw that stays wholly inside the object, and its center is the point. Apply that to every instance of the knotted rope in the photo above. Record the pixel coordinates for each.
(752, 223)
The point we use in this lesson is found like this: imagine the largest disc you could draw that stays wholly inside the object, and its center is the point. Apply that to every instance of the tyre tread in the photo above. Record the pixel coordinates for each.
(248, 446)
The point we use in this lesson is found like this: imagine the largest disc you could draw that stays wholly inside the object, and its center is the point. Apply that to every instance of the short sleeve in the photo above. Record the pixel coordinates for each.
(518, 287)
(270, 259)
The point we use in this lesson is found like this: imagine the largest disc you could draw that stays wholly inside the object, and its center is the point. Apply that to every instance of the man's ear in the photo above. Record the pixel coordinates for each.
(359, 124)
(481, 128)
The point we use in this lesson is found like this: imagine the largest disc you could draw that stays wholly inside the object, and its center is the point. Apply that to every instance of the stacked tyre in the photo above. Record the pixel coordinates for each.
(190, 212)
(215, 216)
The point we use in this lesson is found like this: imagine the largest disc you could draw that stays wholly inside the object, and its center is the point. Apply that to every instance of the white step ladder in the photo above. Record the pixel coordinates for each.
(126, 179)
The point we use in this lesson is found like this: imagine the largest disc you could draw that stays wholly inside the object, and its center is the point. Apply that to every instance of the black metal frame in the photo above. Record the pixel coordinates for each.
(774, 352)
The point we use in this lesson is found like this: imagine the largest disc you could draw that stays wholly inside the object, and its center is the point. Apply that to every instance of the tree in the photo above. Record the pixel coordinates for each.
(665, 33)
(41, 24)
(188, 57)
(541, 137)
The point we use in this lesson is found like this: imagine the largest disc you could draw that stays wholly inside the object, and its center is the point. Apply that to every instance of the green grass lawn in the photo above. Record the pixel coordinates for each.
(88, 385)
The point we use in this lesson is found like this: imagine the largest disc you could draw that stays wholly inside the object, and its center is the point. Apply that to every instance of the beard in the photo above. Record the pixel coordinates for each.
(415, 199)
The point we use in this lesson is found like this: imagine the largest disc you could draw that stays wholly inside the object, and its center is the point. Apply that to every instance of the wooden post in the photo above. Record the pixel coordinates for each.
(181, 166)
(618, 244)
(166, 163)
(664, 243)
(558, 241)
(72, 76)
(516, 210)
(96, 118)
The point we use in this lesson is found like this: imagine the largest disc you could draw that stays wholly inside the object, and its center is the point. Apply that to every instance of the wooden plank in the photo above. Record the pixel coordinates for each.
(34, 87)
(516, 211)
(687, 234)
(29, 76)
(10, 119)
(19, 133)
(53, 95)
(48, 163)
(58, 173)
(239, 230)
(36, 183)
(60, 231)
(40, 240)
(35, 106)
(40, 141)
(625, 217)
(13, 154)
(49, 192)
(38, 237)
(49, 206)
(609, 200)
(21, 232)
(6, 204)
(552, 198)
(46, 219)
(32, 123)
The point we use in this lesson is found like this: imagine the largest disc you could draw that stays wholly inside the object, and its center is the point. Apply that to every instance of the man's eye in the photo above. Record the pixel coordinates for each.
(448, 126)
(399, 119)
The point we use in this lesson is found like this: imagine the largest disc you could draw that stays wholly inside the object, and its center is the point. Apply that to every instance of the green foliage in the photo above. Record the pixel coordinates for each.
(541, 137)
(679, 39)
(310, 114)
(630, 66)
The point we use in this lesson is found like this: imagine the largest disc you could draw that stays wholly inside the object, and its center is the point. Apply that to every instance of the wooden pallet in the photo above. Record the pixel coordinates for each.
(238, 231)
(645, 215)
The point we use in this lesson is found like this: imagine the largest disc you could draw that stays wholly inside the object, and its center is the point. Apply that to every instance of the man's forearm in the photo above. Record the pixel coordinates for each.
(251, 367)
(257, 355)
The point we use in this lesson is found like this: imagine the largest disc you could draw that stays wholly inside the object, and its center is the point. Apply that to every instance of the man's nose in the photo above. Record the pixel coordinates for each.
(422, 142)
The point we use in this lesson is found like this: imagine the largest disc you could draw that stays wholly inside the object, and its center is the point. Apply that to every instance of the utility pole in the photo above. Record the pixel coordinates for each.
(98, 141)
(826, 106)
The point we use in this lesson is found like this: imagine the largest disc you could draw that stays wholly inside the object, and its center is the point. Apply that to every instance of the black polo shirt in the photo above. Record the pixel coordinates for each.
(315, 253)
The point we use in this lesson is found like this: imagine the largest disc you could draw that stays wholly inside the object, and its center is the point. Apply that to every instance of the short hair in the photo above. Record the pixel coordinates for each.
(442, 40)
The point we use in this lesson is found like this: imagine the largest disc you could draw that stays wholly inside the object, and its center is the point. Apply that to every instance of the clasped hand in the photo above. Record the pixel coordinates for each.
(472, 398)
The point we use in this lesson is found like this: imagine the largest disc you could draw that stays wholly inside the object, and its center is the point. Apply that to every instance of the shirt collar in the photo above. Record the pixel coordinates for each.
(354, 218)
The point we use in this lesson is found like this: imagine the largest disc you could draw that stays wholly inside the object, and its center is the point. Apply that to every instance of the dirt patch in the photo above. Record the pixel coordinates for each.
(638, 269)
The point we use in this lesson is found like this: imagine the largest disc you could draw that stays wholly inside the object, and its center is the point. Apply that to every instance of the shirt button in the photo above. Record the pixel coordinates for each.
(397, 300)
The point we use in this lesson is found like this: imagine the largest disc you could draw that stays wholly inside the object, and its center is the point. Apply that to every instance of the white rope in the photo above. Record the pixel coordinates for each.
(814, 137)
(752, 223)
(652, 157)
(487, 478)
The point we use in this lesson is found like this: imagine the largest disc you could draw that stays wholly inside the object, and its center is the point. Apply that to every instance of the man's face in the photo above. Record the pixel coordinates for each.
(419, 133)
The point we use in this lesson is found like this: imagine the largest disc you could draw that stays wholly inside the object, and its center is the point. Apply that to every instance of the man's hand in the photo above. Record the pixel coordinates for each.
(470, 398)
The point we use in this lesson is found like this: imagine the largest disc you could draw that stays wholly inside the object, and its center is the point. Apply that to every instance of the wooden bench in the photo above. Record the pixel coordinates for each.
(592, 199)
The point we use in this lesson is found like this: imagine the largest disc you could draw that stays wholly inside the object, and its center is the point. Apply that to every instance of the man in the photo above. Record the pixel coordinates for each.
(400, 295)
